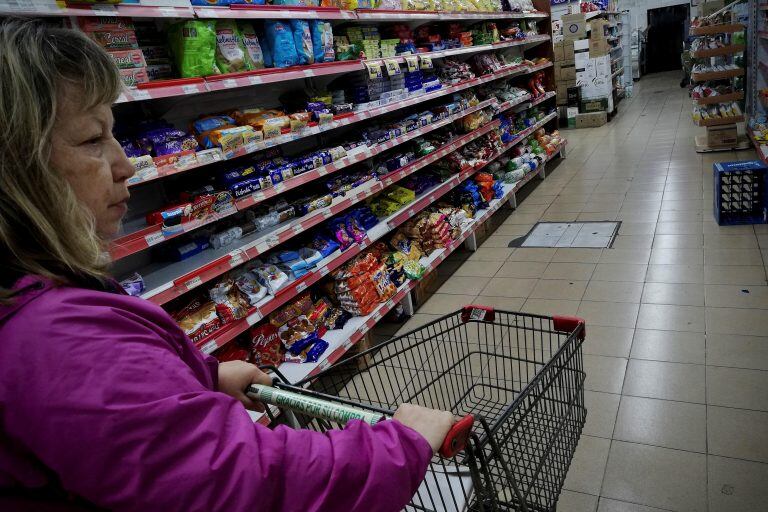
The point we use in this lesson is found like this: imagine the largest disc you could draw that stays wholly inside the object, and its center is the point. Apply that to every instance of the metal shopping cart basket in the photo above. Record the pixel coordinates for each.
(520, 376)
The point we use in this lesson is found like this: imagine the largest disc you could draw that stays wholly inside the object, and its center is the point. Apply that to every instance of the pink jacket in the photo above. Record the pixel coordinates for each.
(103, 396)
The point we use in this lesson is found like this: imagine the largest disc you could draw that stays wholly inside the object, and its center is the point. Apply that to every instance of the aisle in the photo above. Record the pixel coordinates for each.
(677, 372)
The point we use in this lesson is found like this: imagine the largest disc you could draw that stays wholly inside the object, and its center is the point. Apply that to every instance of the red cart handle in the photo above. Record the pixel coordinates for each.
(456, 439)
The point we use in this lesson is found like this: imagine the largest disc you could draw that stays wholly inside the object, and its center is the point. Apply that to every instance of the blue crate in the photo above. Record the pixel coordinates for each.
(741, 192)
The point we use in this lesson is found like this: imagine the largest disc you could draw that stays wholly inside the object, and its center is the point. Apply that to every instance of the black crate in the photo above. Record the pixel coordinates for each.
(740, 192)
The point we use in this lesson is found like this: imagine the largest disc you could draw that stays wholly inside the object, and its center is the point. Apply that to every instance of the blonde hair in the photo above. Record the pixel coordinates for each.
(44, 230)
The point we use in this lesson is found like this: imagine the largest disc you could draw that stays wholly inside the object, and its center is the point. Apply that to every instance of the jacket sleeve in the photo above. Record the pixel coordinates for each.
(102, 398)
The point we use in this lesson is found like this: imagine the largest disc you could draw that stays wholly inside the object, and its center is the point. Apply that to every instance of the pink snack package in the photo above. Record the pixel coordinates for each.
(132, 77)
(128, 59)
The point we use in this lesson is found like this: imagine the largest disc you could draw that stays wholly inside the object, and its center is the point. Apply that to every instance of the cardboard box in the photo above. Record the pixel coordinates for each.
(591, 120)
(574, 26)
(570, 114)
(425, 288)
(593, 105)
(562, 91)
(598, 28)
(599, 47)
(563, 51)
(708, 8)
(574, 95)
(725, 135)
(565, 71)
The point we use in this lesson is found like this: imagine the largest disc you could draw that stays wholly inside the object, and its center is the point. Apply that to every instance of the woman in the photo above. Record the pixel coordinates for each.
(103, 400)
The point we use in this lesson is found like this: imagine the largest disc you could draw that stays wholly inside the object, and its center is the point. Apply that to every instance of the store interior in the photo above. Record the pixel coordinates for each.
(320, 188)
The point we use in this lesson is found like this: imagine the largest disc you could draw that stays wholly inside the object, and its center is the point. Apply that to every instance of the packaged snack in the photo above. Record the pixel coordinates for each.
(134, 76)
(336, 318)
(297, 334)
(127, 59)
(193, 44)
(271, 277)
(230, 52)
(96, 23)
(233, 352)
(302, 39)
(324, 245)
(254, 57)
(266, 347)
(249, 286)
(114, 39)
(302, 306)
(230, 305)
(281, 43)
(322, 41)
(133, 285)
(198, 319)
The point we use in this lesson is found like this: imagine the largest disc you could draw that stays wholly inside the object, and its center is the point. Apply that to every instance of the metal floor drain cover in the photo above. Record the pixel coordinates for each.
(569, 234)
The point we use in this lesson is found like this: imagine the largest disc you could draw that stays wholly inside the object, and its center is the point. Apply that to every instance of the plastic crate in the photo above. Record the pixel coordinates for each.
(740, 192)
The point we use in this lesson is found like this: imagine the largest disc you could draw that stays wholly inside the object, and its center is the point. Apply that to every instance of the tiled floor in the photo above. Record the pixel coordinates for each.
(676, 353)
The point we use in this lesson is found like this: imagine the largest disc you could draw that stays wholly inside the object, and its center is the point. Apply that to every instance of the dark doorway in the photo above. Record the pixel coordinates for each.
(666, 32)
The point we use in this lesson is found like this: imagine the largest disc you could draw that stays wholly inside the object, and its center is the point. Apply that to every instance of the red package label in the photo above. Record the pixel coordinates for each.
(265, 345)
(128, 59)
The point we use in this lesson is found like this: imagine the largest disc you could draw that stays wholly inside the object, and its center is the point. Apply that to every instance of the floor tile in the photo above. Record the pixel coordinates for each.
(678, 294)
(677, 256)
(491, 254)
(719, 274)
(512, 231)
(613, 291)
(576, 501)
(610, 314)
(731, 350)
(737, 433)
(737, 485)
(464, 285)
(653, 476)
(663, 423)
(619, 272)
(478, 269)
(559, 289)
(550, 307)
(513, 304)
(499, 241)
(741, 257)
(608, 341)
(678, 228)
(534, 254)
(576, 271)
(634, 256)
(633, 241)
(737, 387)
(588, 465)
(749, 322)
(691, 274)
(636, 228)
(509, 287)
(678, 241)
(667, 381)
(574, 255)
(524, 269)
(735, 296)
(609, 505)
(667, 317)
(605, 374)
(442, 303)
(730, 241)
(669, 346)
(416, 321)
(601, 413)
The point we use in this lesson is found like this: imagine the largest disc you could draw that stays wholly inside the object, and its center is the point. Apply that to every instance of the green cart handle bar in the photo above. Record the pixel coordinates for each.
(454, 442)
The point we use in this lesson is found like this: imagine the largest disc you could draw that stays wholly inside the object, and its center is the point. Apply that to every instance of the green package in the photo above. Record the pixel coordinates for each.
(193, 44)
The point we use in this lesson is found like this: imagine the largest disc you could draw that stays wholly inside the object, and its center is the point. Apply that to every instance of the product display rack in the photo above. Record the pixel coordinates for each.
(757, 98)
(723, 139)
(167, 282)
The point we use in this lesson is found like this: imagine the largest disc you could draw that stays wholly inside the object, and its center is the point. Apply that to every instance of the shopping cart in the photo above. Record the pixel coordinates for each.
(518, 377)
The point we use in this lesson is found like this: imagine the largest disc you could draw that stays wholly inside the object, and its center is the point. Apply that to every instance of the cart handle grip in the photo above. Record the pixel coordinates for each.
(454, 442)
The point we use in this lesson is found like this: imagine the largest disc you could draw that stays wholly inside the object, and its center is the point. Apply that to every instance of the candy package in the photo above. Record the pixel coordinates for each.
(133, 285)
(271, 277)
(198, 319)
(193, 45)
(249, 286)
(297, 334)
(266, 347)
(302, 306)
(230, 305)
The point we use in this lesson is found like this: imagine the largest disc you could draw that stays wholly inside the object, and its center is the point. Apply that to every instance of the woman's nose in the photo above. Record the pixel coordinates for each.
(122, 169)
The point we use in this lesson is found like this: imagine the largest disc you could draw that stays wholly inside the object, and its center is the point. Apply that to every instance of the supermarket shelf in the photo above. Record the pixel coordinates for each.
(760, 147)
(363, 115)
(617, 72)
(720, 98)
(717, 75)
(703, 147)
(716, 29)
(182, 87)
(245, 11)
(387, 15)
(334, 261)
(763, 34)
(128, 11)
(720, 122)
(725, 50)
(171, 281)
(146, 237)
(340, 341)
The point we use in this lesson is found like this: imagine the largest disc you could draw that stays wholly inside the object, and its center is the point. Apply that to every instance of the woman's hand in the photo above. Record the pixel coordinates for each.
(236, 376)
(433, 425)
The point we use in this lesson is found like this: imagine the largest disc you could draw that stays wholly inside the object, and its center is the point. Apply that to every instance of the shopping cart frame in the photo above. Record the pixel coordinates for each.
(493, 441)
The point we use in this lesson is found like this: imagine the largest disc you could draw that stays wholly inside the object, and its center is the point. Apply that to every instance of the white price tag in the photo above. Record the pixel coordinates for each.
(324, 271)
(190, 89)
(235, 259)
(154, 238)
(254, 80)
(301, 287)
(229, 83)
(376, 316)
(273, 240)
(209, 347)
(193, 283)
(297, 229)
(140, 94)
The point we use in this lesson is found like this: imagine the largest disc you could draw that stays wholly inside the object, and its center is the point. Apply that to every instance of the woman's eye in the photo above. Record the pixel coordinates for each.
(93, 140)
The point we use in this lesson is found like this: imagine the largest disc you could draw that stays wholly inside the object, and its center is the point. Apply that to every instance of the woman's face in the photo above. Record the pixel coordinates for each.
(91, 160)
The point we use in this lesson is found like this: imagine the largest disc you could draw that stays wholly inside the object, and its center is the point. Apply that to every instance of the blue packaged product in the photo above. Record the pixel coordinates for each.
(281, 43)
(237, 174)
(314, 353)
(283, 256)
(266, 51)
(310, 256)
(322, 41)
(302, 164)
(324, 245)
(187, 250)
(209, 123)
(244, 187)
(302, 39)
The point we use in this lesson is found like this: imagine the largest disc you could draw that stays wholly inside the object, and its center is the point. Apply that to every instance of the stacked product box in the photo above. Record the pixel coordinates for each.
(118, 37)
